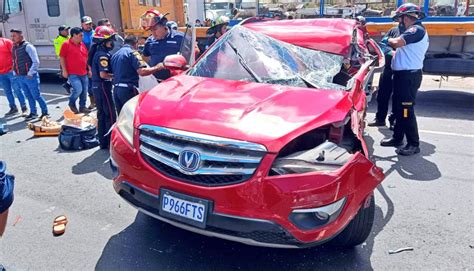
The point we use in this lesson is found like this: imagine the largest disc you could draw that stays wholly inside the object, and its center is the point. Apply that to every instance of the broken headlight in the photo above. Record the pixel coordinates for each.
(327, 156)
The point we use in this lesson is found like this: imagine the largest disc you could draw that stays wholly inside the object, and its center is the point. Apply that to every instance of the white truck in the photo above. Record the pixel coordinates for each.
(40, 19)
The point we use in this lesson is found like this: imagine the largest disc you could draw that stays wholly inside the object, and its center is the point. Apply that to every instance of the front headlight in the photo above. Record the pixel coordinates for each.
(125, 119)
(326, 157)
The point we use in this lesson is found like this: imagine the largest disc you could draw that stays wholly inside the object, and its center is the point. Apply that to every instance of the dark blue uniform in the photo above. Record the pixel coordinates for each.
(385, 82)
(103, 95)
(407, 67)
(157, 50)
(125, 63)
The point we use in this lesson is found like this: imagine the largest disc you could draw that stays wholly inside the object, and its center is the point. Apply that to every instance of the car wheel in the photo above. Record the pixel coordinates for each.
(358, 229)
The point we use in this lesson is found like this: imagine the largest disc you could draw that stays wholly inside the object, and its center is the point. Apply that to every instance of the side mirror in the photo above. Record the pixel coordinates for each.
(175, 62)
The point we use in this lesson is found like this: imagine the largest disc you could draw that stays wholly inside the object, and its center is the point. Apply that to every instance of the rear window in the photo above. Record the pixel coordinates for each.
(53, 8)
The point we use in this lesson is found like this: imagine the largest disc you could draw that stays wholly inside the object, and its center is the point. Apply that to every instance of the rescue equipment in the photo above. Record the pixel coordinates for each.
(47, 127)
(78, 138)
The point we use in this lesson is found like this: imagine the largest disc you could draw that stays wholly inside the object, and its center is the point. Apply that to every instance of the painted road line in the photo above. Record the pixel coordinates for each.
(54, 94)
(445, 133)
(57, 99)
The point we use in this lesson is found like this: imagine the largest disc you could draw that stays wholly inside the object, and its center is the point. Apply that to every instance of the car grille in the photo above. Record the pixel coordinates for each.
(222, 161)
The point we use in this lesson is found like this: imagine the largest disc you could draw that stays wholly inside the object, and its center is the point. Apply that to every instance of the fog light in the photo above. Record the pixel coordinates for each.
(310, 219)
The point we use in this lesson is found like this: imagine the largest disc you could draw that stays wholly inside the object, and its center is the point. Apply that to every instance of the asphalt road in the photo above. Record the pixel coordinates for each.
(425, 202)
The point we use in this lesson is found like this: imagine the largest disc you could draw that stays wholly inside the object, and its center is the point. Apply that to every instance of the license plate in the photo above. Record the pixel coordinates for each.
(184, 208)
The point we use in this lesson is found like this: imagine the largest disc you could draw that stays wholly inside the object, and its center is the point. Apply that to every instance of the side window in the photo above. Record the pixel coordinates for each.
(53, 8)
(13, 6)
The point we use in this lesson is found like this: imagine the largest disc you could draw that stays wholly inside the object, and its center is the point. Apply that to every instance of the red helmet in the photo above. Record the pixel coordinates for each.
(151, 18)
(103, 33)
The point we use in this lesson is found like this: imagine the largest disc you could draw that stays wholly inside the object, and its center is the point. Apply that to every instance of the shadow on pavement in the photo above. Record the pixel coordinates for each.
(414, 167)
(151, 244)
(97, 162)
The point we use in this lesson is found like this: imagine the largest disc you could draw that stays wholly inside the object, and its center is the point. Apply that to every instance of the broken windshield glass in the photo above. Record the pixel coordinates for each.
(246, 55)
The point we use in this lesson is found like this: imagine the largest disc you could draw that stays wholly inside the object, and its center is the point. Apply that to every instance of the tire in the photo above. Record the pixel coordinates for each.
(358, 229)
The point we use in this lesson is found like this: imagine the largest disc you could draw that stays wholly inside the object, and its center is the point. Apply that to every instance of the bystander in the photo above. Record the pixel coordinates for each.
(25, 68)
(73, 58)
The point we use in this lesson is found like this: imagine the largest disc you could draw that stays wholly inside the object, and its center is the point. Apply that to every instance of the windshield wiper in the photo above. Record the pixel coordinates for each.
(244, 63)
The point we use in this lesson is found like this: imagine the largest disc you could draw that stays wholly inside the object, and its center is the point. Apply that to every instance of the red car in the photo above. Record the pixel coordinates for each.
(261, 141)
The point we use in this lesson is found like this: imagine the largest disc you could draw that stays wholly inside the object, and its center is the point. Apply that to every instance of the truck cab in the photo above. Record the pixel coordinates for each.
(39, 21)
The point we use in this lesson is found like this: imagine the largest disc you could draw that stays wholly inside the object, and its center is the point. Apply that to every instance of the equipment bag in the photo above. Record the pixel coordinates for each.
(78, 138)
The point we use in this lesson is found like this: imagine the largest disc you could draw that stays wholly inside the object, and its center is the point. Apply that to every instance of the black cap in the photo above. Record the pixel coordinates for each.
(16, 30)
(86, 20)
(76, 30)
(63, 27)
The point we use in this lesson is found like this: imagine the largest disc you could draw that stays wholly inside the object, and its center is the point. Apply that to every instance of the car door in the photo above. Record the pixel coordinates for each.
(361, 86)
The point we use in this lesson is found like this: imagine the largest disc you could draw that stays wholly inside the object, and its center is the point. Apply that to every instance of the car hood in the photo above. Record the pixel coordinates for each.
(267, 114)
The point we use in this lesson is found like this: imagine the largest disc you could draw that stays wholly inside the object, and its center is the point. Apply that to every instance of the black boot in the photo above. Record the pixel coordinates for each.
(391, 142)
(376, 123)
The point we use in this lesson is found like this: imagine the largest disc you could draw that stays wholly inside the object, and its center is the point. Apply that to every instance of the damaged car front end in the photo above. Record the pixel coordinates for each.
(260, 142)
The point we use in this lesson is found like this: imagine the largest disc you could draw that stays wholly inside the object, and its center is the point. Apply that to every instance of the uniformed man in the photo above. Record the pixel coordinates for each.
(407, 65)
(219, 29)
(385, 90)
(102, 83)
(161, 43)
(127, 64)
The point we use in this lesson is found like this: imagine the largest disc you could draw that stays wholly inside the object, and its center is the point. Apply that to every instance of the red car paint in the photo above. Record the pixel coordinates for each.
(271, 115)
(329, 35)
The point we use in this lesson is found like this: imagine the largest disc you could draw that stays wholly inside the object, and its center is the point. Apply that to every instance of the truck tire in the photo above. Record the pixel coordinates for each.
(358, 229)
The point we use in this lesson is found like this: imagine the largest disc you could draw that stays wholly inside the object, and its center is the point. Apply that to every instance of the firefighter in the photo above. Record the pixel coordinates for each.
(104, 37)
(407, 65)
(161, 43)
(386, 83)
(219, 29)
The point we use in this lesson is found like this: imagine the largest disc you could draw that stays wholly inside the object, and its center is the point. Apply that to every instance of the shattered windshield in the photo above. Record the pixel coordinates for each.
(245, 55)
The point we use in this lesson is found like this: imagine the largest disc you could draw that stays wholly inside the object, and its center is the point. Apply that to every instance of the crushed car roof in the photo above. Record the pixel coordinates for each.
(329, 35)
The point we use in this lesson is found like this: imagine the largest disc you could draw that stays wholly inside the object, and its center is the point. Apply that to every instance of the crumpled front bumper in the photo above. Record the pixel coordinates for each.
(257, 211)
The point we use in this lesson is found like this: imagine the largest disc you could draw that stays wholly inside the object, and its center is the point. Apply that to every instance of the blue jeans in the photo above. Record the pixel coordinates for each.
(31, 87)
(80, 86)
(10, 85)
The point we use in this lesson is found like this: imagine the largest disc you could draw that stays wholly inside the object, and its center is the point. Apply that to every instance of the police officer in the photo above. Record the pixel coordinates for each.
(161, 43)
(219, 29)
(385, 83)
(102, 84)
(407, 66)
(127, 64)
